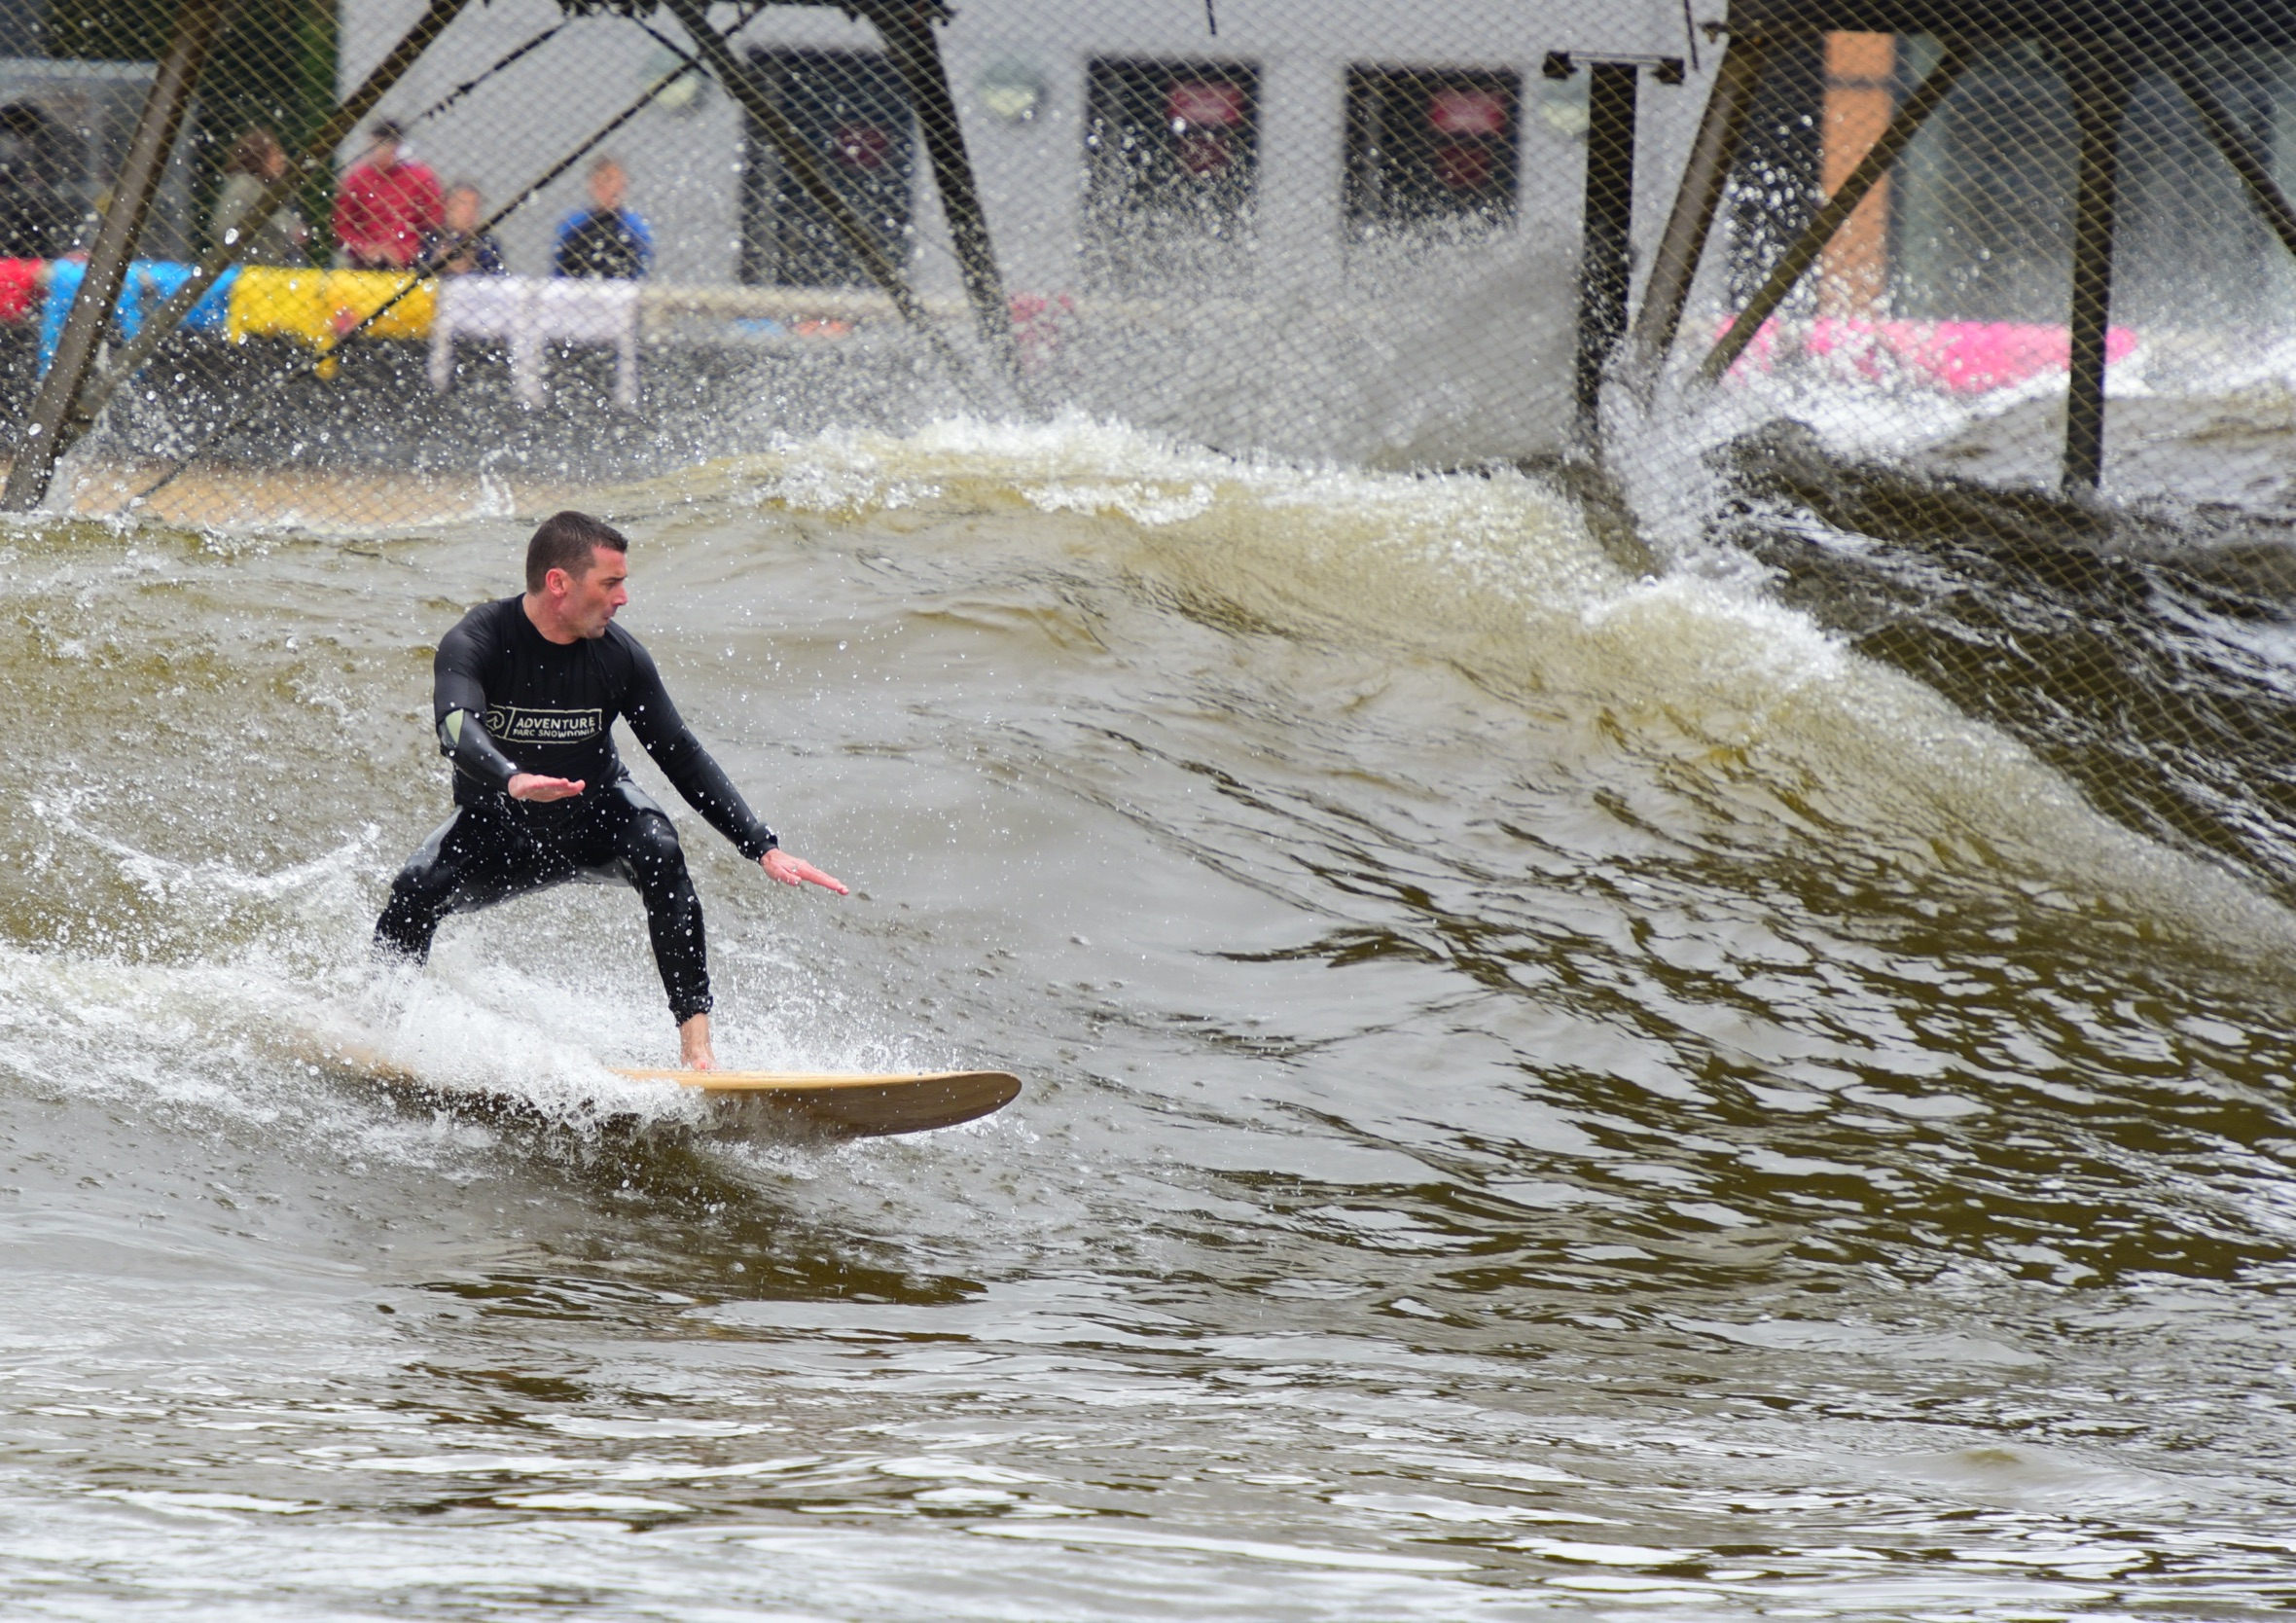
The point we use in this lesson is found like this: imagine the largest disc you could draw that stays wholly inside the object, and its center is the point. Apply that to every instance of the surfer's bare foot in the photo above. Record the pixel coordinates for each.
(694, 1050)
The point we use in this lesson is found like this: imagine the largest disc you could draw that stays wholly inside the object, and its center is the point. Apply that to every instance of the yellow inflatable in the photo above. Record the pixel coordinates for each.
(318, 307)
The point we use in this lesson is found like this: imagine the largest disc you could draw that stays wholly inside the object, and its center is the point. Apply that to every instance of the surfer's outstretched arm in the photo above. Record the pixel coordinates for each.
(796, 870)
(703, 784)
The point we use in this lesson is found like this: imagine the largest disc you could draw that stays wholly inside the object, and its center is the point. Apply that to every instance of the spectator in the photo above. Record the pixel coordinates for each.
(36, 221)
(385, 204)
(604, 239)
(456, 247)
(255, 163)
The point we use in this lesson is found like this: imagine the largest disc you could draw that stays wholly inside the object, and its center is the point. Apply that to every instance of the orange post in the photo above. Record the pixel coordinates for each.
(1862, 78)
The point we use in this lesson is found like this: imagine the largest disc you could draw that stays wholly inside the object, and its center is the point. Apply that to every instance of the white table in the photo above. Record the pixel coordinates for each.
(530, 313)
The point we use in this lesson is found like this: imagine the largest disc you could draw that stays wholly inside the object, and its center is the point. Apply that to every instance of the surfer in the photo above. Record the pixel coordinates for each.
(526, 690)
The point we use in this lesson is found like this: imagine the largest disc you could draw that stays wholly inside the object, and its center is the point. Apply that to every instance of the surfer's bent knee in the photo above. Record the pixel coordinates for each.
(653, 839)
(419, 896)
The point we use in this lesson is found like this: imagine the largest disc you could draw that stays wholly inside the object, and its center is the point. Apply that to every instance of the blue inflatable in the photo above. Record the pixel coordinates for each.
(150, 283)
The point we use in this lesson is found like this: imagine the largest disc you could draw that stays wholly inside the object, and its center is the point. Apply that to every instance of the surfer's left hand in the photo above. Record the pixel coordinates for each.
(796, 870)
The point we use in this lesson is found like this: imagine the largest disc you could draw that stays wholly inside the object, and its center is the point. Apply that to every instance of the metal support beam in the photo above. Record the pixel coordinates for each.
(1674, 267)
(2100, 81)
(156, 129)
(2239, 152)
(906, 29)
(1604, 263)
(791, 148)
(317, 157)
(1802, 253)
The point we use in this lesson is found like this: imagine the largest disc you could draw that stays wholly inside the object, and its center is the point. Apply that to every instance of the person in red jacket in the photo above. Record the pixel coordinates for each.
(385, 204)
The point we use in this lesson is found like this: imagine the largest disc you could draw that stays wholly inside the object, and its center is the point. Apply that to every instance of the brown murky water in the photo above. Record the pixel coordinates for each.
(1546, 1093)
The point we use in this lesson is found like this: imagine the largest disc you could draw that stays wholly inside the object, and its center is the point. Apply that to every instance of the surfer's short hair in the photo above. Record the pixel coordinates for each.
(565, 542)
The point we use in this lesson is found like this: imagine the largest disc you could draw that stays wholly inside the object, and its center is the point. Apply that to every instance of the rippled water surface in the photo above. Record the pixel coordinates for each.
(1546, 1091)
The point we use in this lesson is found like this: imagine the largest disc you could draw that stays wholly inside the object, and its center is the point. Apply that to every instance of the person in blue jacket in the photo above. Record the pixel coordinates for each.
(604, 239)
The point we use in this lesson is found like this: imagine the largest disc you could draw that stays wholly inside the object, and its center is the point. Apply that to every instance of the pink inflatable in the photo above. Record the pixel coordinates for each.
(1962, 357)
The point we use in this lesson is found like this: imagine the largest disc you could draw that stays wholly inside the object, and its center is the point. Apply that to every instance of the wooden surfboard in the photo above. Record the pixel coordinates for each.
(863, 1104)
(853, 1105)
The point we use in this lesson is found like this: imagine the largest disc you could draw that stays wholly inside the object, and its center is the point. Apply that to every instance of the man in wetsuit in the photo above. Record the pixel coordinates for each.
(526, 692)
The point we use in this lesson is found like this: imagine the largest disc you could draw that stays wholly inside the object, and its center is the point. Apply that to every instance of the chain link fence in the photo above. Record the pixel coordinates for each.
(1351, 231)
(561, 248)
(1987, 359)
(2009, 290)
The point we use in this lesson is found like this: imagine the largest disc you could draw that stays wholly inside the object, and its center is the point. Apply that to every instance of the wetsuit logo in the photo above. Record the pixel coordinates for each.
(511, 725)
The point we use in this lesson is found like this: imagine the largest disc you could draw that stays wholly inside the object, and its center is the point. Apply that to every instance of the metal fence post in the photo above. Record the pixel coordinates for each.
(907, 30)
(790, 146)
(317, 153)
(2100, 81)
(1674, 267)
(1603, 265)
(2237, 149)
(34, 463)
(1802, 253)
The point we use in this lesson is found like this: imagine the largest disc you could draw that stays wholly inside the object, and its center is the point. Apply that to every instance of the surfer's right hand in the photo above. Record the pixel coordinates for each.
(527, 786)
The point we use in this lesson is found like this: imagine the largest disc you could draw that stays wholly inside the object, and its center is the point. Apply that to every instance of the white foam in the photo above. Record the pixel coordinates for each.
(1497, 575)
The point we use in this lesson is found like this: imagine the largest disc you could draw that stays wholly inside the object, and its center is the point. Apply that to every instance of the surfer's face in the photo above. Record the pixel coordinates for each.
(592, 597)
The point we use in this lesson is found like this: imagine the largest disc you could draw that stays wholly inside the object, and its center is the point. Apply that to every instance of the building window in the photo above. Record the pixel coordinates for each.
(1428, 147)
(1172, 166)
(851, 110)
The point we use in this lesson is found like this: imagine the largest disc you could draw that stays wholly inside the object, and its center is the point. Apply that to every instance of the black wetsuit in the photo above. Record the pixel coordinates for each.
(509, 700)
